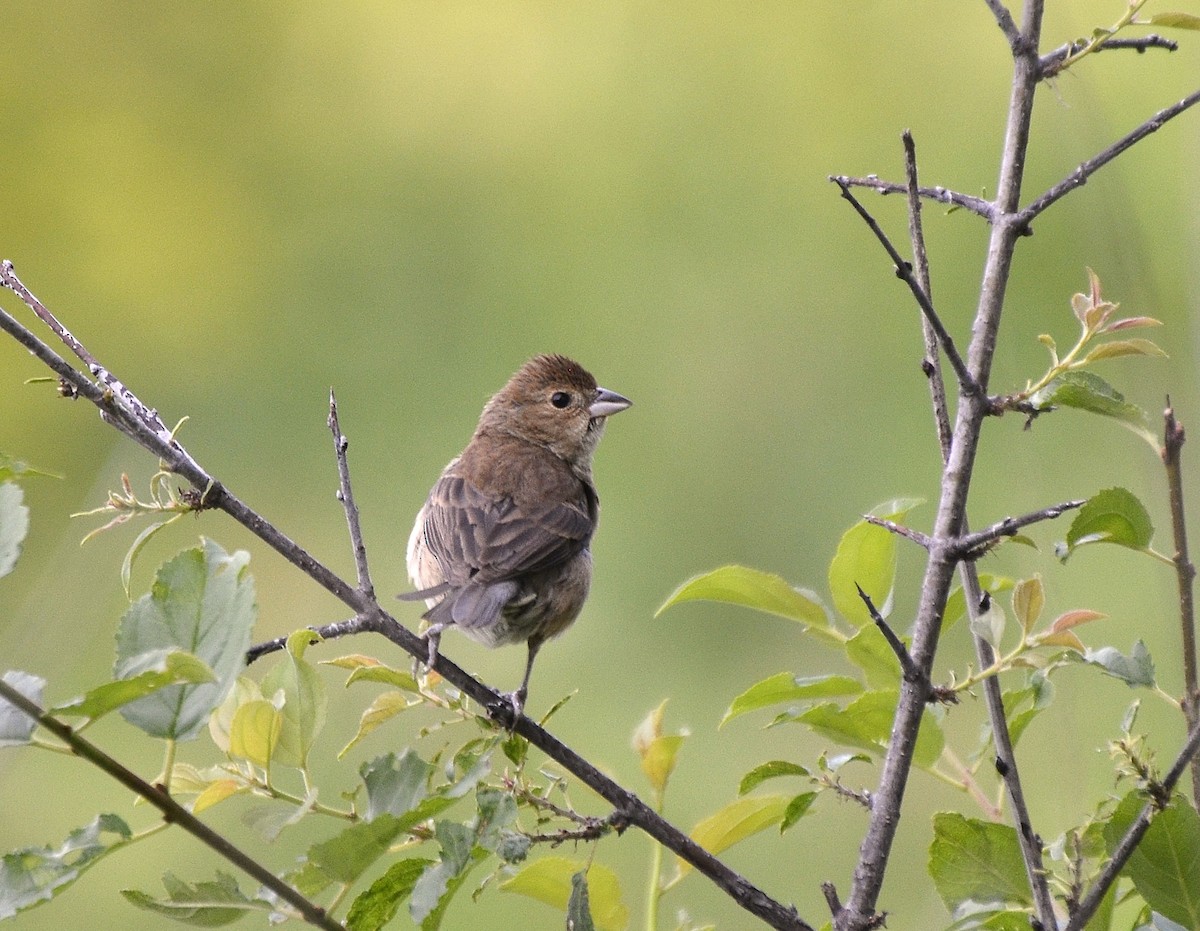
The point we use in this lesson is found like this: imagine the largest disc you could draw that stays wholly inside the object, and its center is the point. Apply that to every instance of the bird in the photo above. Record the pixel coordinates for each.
(501, 549)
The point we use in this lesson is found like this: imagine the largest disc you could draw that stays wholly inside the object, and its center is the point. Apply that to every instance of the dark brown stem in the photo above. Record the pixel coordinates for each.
(171, 810)
(941, 195)
(1052, 61)
(974, 545)
(1185, 573)
(346, 496)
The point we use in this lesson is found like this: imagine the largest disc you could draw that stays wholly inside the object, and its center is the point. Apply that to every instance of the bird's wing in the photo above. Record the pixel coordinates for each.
(478, 537)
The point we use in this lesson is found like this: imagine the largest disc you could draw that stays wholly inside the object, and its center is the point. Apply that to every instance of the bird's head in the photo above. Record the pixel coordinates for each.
(554, 402)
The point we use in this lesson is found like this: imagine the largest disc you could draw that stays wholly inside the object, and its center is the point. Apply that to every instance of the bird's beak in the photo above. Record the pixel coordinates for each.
(608, 402)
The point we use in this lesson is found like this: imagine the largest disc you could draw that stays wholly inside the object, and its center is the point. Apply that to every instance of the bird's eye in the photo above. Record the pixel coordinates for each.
(560, 399)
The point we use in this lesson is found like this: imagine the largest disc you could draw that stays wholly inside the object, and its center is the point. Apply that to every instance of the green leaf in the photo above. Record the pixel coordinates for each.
(304, 700)
(14, 525)
(33, 875)
(204, 904)
(1124, 347)
(786, 688)
(202, 602)
(752, 588)
(378, 905)
(155, 670)
(1176, 20)
(1028, 601)
(735, 822)
(16, 727)
(579, 914)
(254, 732)
(497, 812)
(658, 751)
(383, 708)
(989, 624)
(395, 784)
(866, 723)
(976, 861)
(956, 604)
(1087, 391)
(457, 841)
(869, 651)
(1136, 669)
(866, 557)
(1114, 515)
(1165, 867)
(368, 669)
(11, 468)
(221, 721)
(797, 808)
(549, 880)
(772, 770)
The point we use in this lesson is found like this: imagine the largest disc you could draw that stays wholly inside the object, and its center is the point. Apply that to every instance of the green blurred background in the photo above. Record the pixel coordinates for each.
(236, 206)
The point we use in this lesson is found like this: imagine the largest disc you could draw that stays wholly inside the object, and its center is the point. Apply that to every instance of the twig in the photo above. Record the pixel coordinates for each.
(1133, 837)
(905, 273)
(1005, 21)
(171, 810)
(916, 236)
(371, 617)
(974, 545)
(911, 672)
(346, 628)
(346, 496)
(1185, 573)
(899, 530)
(976, 205)
(1080, 175)
(1051, 61)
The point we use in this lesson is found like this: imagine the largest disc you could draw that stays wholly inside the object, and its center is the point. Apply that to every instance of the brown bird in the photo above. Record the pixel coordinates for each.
(500, 549)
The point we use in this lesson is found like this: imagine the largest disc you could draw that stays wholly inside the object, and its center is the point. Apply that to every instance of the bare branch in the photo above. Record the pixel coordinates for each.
(974, 545)
(911, 672)
(1080, 175)
(941, 195)
(1052, 61)
(346, 628)
(346, 496)
(899, 530)
(171, 810)
(916, 236)
(1005, 21)
(1185, 574)
(905, 273)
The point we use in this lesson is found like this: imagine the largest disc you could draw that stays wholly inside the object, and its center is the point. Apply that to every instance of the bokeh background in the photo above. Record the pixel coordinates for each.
(237, 206)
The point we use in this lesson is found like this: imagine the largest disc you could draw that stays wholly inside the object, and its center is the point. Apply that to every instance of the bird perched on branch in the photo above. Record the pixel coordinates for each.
(501, 549)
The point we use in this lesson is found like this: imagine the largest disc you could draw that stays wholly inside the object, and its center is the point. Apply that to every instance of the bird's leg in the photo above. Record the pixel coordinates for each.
(518, 697)
(433, 637)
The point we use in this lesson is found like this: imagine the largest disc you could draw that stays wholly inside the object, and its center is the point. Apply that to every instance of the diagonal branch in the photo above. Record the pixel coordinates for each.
(171, 810)
(973, 545)
(1052, 61)
(1080, 175)
(1087, 907)
(137, 422)
(346, 496)
(1006, 23)
(976, 205)
(904, 271)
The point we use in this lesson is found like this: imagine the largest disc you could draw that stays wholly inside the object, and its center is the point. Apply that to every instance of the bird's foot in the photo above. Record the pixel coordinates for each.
(508, 708)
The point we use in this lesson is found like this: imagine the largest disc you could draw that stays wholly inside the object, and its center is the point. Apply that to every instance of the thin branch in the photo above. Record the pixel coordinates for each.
(911, 672)
(1052, 61)
(1005, 21)
(916, 236)
(171, 810)
(346, 496)
(371, 617)
(1006, 760)
(905, 273)
(899, 530)
(1080, 175)
(974, 545)
(1185, 573)
(976, 205)
(346, 628)
(1133, 837)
